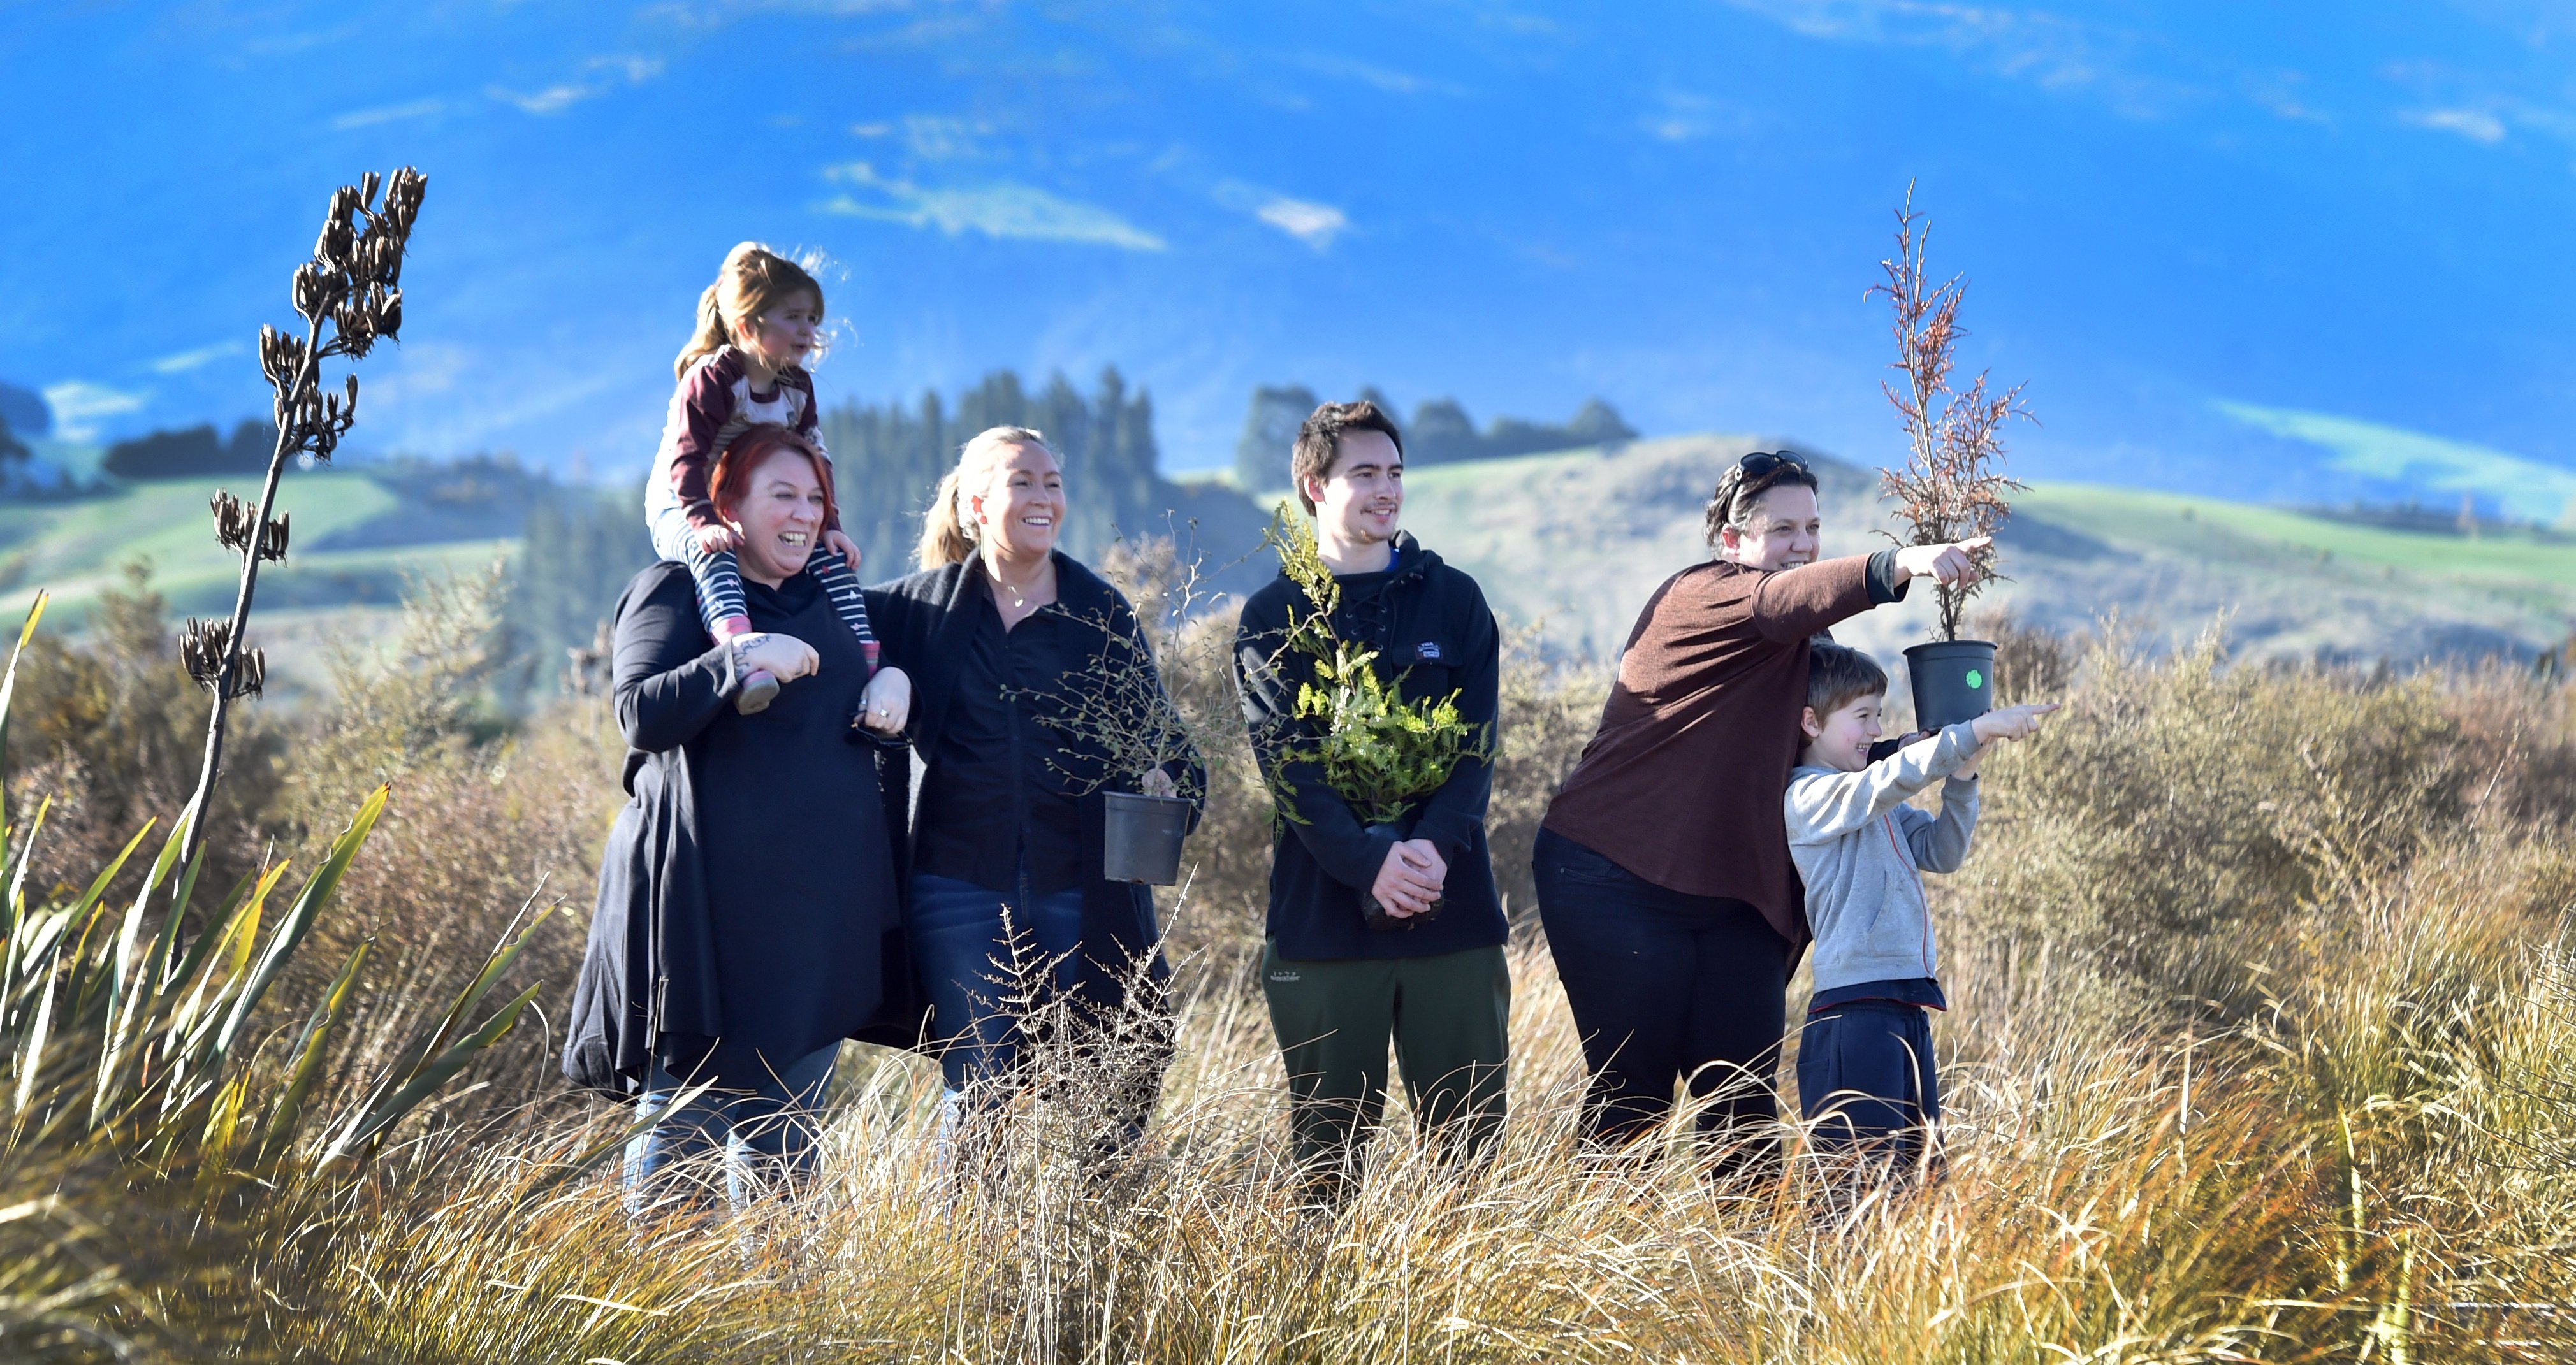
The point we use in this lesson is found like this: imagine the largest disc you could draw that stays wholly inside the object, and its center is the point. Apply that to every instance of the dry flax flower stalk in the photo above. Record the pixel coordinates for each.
(350, 296)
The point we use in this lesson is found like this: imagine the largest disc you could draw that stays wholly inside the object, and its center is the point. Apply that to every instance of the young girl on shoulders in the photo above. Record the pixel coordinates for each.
(745, 364)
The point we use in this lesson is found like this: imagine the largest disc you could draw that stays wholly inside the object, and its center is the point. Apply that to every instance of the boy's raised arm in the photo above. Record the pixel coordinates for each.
(1940, 842)
(1822, 806)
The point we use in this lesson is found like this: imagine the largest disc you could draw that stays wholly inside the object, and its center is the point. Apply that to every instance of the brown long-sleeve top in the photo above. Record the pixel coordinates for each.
(713, 404)
(1682, 783)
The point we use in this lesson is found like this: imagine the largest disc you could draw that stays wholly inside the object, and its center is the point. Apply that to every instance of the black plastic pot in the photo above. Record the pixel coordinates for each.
(1954, 680)
(1374, 915)
(1140, 838)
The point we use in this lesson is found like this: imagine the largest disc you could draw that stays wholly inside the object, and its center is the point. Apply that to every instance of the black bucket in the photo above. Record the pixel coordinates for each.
(1374, 915)
(1140, 837)
(1954, 680)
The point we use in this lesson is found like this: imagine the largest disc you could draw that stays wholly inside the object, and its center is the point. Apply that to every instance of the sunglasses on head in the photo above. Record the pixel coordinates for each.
(1754, 466)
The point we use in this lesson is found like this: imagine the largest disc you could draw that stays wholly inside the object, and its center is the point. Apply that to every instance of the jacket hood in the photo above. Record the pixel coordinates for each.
(1411, 560)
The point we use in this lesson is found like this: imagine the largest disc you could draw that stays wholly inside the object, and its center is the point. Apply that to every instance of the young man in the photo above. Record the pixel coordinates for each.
(1865, 1056)
(1434, 983)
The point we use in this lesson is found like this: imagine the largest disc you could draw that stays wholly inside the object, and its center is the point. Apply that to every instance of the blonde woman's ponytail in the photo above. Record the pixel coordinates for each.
(944, 536)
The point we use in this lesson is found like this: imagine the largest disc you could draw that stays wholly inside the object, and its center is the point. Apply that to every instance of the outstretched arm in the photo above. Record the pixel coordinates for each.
(1822, 806)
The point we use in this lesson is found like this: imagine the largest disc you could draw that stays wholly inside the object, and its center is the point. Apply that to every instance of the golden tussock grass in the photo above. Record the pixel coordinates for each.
(2262, 1047)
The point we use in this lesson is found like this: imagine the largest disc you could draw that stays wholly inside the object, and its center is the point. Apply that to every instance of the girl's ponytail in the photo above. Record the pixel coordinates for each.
(752, 280)
(709, 337)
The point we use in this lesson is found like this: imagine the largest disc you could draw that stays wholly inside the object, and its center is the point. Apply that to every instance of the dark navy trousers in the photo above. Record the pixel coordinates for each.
(1666, 988)
(1865, 1078)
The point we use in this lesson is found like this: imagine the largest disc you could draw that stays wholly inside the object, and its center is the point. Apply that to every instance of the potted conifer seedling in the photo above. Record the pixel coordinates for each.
(1384, 755)
(1949, 489)
(1123, 716)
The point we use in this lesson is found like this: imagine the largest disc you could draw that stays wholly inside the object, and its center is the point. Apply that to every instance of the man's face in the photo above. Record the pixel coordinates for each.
(1358, 502)
(1784, 533)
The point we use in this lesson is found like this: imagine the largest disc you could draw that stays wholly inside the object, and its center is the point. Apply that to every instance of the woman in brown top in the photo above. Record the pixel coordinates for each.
(1663, 868)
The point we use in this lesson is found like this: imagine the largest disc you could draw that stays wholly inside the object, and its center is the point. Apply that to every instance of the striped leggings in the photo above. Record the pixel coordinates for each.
(719, 579)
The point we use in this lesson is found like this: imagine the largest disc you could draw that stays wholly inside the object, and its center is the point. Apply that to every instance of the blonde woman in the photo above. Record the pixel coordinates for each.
(1002, 628)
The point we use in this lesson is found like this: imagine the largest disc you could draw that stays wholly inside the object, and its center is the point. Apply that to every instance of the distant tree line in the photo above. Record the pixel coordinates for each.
(24, 410)
(578, 547)
(581, 544)
(1440, 432)
(887, 459)
(191, 451)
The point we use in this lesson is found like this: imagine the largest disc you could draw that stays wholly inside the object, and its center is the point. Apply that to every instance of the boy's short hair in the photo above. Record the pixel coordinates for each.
(1838, 675)
(1319, 440)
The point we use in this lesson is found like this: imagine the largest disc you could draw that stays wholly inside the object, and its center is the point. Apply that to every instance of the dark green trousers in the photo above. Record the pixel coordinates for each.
(1448, 1017)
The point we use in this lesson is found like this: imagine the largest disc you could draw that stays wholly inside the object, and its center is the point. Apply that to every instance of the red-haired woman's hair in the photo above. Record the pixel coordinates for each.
(731, 480)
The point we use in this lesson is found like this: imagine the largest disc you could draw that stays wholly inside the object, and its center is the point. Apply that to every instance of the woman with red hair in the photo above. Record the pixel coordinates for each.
(747, 919)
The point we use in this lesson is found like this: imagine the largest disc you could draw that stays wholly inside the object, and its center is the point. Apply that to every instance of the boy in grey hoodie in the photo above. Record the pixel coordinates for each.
(1865, 1056)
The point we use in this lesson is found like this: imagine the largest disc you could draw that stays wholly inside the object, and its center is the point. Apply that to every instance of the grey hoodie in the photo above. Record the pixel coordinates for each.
(1861, 851)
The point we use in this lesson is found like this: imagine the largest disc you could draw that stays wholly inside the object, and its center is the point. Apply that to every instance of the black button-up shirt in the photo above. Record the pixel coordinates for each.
(998, 790)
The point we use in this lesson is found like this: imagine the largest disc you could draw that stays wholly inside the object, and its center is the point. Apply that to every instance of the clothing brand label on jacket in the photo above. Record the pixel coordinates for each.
(1428, 652)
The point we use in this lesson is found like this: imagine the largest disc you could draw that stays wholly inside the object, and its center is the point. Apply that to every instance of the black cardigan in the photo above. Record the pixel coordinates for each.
(923, 620)
(678, 954)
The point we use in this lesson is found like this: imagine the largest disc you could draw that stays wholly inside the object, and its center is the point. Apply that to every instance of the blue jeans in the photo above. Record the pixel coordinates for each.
(761, 1118)
(980, 975)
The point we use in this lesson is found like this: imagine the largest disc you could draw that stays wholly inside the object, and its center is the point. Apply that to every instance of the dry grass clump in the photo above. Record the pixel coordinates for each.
(486, 825)
(2153, 1198)
(110, 729)
(2367, 1152)
(2181, 806)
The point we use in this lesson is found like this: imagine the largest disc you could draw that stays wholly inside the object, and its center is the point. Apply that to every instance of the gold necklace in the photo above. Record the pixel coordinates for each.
(1018, 599)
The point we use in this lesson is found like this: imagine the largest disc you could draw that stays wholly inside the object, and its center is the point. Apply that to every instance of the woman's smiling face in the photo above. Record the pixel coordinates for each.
(780, 517)
(1022, 512)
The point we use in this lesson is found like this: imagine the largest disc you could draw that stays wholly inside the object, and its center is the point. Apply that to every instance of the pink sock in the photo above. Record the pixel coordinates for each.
(732, 626)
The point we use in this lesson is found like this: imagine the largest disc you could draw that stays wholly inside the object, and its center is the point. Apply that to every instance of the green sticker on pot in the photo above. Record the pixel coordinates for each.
(1976, 679)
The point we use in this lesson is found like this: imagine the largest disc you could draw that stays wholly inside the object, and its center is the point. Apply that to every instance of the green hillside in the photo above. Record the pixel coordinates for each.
(2510, 562)
(1574, 541)
(1578, 541)
(76, 548)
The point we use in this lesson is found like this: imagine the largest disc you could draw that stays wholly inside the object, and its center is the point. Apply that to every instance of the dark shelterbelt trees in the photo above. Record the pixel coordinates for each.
(886, 460)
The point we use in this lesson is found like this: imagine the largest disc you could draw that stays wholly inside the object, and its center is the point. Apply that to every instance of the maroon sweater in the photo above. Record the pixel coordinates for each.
(715, 403)
(1682, 783)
